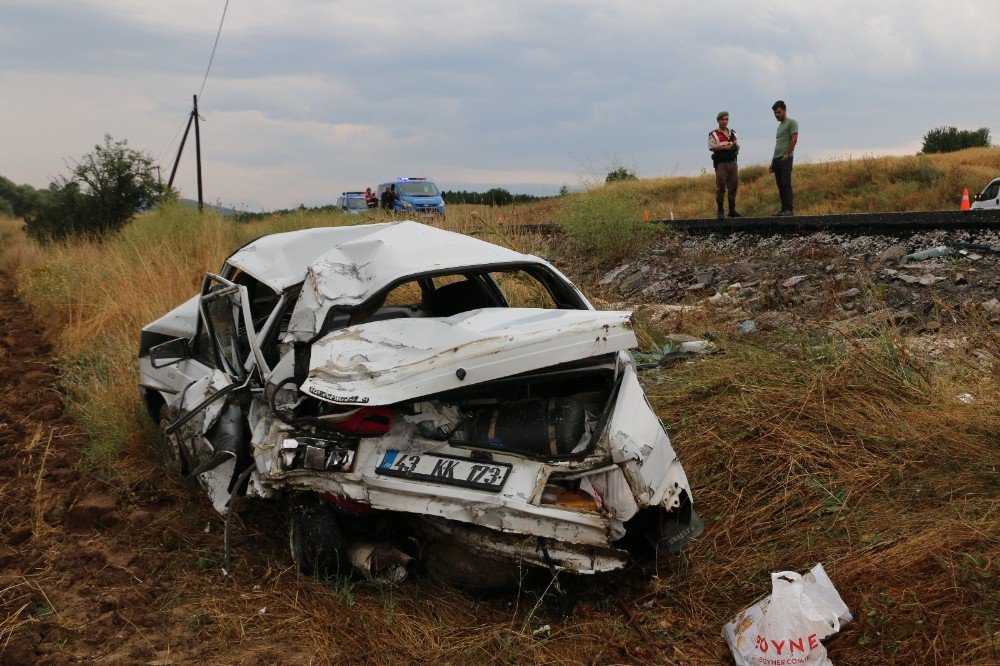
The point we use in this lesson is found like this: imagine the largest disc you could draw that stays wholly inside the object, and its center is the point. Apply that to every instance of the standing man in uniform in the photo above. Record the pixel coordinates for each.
(724, 145)
(781, 164)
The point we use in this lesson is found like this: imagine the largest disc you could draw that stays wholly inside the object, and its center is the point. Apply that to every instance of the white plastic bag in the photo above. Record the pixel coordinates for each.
(786, 628)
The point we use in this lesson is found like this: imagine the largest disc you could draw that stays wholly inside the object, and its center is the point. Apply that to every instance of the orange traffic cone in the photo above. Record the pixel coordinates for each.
(645, 211)
(965, 199)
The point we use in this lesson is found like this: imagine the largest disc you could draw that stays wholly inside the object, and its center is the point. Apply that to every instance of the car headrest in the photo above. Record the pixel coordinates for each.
(456, 297)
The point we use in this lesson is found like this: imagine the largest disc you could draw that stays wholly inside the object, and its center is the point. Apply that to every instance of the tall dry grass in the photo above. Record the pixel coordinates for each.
(806, 447)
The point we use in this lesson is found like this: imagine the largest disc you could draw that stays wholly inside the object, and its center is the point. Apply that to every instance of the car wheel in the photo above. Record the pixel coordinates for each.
(168, 447)
(453, 565)
(314, 538)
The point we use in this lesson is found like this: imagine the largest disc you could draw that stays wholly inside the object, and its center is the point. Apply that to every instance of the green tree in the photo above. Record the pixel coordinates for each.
(498, 196)
(23, 199)
(949, 139)
(620, 174)
(102, 193)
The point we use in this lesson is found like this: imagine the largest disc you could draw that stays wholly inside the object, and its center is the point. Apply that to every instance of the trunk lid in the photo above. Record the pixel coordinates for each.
(385, 362)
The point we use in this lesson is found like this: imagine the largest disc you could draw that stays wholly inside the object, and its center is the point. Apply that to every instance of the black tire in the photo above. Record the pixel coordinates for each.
(314, 538)
(169, 452)
(453, 565)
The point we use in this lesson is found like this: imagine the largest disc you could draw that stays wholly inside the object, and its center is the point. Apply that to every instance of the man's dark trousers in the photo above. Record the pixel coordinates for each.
(783, 177)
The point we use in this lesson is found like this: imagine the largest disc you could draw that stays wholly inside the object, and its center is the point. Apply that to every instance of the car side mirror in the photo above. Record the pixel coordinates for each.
(169, 352)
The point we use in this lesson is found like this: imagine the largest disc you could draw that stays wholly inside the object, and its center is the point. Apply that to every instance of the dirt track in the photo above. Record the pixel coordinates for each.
(72, 587)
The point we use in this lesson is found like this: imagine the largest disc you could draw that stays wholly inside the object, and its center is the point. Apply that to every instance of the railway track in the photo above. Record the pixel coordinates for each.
(878, 224)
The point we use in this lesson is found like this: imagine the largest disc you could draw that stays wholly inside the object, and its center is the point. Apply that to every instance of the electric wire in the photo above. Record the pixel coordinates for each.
(212, 57)
(204, 80)
(170, 145)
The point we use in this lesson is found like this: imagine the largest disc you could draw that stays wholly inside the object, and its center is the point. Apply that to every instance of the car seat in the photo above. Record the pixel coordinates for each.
(451, 299)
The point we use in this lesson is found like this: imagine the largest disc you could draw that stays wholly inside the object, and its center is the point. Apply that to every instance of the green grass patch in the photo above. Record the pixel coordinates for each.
(606, 222)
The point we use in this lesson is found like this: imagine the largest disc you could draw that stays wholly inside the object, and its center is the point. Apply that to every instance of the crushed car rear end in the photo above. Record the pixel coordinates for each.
(416, 403)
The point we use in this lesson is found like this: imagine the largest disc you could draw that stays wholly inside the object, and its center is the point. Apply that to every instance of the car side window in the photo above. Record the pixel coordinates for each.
(203, 346)
(991, 191)
(523, 290)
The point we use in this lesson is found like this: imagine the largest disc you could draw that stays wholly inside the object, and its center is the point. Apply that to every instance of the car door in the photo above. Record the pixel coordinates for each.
(210, 423)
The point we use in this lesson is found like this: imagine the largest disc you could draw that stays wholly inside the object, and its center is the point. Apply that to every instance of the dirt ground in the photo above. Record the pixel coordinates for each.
(70, 587)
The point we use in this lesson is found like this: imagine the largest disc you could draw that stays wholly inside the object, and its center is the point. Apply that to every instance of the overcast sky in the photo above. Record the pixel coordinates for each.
(306, 99)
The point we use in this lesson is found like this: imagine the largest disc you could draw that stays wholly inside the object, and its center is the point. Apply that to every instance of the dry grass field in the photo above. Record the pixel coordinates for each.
(801, 445)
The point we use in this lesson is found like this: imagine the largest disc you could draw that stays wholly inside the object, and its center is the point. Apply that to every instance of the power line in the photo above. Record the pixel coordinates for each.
(170, 145)
(212, 57)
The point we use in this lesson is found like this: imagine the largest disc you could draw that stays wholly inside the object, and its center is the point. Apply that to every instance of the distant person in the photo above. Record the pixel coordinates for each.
(781, 163)
(724, 145)
(388, 198)
(370, 199)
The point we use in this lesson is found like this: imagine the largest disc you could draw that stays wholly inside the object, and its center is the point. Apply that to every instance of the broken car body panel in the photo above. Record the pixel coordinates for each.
(519, 433)
(385, 362)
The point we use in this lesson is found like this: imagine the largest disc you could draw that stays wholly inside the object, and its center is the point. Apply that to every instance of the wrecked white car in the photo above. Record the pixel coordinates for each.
(417, 393)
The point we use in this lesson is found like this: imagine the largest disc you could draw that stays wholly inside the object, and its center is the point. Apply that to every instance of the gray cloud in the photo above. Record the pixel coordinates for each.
(310, 98)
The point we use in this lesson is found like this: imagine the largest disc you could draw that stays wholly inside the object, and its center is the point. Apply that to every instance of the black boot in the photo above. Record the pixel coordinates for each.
(734, 213)
(721, 215)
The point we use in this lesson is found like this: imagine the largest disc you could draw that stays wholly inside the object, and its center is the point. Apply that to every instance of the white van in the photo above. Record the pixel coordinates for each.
(989, 198)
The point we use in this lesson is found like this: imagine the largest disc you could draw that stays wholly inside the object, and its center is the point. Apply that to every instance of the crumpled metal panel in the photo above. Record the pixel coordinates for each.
(181, 322)
(384, 362)
(639, 444)
(579, 558)
(345, 265)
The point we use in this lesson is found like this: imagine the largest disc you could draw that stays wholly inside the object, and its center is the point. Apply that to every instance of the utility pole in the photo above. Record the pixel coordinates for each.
(197, 152)
(193, 118)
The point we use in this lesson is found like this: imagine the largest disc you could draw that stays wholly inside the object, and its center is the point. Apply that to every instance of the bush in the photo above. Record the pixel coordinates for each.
(949, 139)
(620, 174)
(607, 223)
(104, 190)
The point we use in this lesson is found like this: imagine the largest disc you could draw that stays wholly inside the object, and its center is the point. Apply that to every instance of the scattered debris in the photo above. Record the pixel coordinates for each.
(794, 280)
(543, 631)
(787, 626)
(967, 398)
(891, 255)
(749, 326)
(380, 562)
(930, 253)
(609, 278)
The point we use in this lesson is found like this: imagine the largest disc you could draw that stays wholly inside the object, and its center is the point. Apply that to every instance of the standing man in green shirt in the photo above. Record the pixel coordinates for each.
(784, 150)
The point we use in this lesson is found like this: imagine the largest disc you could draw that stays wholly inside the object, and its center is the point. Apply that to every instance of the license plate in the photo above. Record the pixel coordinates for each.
(448, 470)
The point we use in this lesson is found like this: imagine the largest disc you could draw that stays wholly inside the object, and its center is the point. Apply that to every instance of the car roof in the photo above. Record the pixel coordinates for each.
(343, 266)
